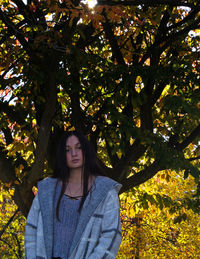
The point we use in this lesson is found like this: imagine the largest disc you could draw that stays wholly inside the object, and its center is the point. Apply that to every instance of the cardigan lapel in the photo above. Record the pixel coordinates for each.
(46, 191)
(98, 193)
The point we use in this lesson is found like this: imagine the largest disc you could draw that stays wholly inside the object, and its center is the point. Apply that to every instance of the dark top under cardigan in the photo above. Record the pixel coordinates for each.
(65, 226)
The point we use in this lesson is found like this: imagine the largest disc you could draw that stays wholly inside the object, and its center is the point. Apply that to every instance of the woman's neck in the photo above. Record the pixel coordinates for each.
(75, 176)
(75, 184)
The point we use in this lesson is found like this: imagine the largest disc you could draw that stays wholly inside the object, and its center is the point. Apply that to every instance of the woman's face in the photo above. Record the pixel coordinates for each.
(74, 154)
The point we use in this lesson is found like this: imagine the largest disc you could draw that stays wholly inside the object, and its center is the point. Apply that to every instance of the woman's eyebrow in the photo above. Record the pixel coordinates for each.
(77, 144)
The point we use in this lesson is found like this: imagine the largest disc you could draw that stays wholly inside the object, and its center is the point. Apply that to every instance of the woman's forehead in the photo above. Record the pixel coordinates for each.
(72, 140)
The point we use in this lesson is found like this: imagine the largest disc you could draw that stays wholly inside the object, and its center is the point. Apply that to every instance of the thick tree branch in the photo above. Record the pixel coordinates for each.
(44, 131)
(113, 157)
(133, 154)
(146, 116)
(23, 196)
(195, 133)
(69, 31)
(86, 35)
(128, 109)
(113, 41)
(158, 91)
(78, 118)
(188, 18)
(8, 33)
(19, 34)
(162, 29)
(25, 11)
(141, 177)
(137, 47)
(169, 39)
(7, 171)
(173, 36)
(7, 135)
(32, 18)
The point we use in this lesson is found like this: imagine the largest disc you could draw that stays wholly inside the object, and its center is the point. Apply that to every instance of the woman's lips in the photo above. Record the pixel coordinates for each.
(75, 160)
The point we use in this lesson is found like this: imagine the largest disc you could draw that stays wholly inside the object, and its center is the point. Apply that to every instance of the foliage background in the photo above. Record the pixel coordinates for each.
(126, 74)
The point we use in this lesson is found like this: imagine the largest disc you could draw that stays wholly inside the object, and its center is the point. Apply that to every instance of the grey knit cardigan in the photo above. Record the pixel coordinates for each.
(98, 233)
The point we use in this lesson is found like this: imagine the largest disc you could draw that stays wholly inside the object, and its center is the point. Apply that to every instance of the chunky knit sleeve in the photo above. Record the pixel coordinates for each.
(110, 236)
(34, 238)
(31, 230)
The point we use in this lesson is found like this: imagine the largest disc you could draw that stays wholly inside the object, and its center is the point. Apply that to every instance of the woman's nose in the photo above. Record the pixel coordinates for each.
(73, 152)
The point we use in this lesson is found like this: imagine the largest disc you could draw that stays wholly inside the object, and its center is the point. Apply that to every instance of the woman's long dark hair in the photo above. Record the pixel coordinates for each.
(62, 171)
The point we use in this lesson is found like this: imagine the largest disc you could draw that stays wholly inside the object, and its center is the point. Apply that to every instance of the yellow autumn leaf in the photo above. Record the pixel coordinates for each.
(11, 191)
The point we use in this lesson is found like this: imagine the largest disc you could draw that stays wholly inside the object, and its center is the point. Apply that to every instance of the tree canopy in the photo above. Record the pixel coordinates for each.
(125, 73)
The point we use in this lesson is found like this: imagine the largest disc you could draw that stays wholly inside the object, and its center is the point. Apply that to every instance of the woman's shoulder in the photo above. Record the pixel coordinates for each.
(106, 179)
(108, 183)
(46, 189)
(46, 182)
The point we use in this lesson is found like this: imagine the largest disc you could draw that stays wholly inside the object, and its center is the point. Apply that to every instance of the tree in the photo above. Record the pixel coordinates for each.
(125, 73)
(158, 220)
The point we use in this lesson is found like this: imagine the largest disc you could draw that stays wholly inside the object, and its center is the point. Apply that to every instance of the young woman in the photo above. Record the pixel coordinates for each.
(75, 214)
